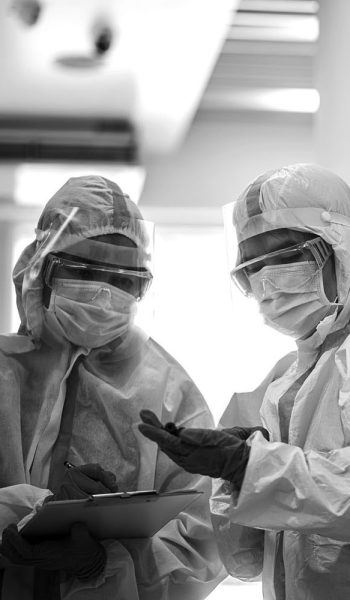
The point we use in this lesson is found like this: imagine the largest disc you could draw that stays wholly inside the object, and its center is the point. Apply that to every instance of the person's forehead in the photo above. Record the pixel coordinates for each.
(271, 241)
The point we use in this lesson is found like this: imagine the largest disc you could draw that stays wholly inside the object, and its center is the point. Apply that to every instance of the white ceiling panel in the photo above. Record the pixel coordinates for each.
(161, 58)
(267, 59)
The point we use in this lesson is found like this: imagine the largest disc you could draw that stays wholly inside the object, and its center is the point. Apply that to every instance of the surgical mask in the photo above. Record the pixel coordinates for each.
(88, 314)
(291, 297)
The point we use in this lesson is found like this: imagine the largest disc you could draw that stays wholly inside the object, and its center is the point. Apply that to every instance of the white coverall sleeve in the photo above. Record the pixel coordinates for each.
(241, 545)
(241, 548)
(287, 489)
(181, 562)
(19, 501)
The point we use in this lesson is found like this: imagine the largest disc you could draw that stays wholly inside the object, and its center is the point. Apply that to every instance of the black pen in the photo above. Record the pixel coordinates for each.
(69, 465)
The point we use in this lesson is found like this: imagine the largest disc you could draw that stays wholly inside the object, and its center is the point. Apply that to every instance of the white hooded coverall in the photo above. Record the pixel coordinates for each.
(106, 388)
(291, 519)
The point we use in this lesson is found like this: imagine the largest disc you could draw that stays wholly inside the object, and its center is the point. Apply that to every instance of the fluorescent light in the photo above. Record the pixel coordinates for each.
(289, 100)
(295, 100)
(280, 6)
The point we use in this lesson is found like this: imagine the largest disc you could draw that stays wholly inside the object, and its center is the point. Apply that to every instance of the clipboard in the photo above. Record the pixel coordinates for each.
(116, 515)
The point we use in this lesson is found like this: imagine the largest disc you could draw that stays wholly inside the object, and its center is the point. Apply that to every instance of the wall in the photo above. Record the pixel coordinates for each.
(221, 154)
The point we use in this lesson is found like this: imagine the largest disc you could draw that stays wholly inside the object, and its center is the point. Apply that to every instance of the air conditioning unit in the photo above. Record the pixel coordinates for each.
(66, 138)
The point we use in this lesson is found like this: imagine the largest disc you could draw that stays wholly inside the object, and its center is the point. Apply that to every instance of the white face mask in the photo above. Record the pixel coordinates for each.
(291, 297)
(88, 314)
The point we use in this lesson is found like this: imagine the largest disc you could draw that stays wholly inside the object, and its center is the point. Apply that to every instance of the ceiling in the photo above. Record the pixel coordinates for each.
(168, 60)
(267, 59)
(160, 59)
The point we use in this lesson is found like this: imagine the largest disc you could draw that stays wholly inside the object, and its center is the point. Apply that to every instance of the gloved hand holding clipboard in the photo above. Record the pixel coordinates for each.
(136, 514)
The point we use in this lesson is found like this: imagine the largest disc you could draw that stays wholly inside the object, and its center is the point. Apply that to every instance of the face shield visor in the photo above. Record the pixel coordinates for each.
(101, 278)
(127, 247)
(294, 284)
(314, 250)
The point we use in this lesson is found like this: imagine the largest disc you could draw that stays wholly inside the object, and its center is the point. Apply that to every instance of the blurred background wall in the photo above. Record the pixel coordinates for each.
(182, 102)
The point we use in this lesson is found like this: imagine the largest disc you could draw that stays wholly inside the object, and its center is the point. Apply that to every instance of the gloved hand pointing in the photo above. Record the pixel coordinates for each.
(213, 452)
(79, 554)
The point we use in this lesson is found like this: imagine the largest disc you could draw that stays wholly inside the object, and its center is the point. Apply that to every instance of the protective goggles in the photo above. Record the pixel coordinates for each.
(315, 250)
(134, 282)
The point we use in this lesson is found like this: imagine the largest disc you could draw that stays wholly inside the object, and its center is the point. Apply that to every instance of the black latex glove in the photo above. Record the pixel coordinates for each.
(213, 452)
(79, 554)
(82, 481)
(243, 433)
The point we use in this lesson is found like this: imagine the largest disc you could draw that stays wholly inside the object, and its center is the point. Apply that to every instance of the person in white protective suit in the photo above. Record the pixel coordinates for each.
(281, 504)
(72, 383)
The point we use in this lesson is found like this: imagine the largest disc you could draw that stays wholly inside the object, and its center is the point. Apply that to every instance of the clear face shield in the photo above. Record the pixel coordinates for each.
(290, 273)
(131, 248)
(105, 277)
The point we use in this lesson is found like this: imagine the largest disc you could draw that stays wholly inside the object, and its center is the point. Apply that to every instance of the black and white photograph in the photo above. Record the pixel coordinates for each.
(175, 300)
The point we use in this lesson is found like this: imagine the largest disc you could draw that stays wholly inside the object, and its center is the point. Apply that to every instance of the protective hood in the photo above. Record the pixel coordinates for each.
(304, 197)
(82, 208)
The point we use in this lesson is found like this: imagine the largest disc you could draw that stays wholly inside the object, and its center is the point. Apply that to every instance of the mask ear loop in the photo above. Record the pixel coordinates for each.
(339, 219)
(322, 252)
(335, 301)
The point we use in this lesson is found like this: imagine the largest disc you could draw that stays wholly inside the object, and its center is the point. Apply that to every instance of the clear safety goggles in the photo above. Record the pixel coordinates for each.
(134, 282)
(314, 250)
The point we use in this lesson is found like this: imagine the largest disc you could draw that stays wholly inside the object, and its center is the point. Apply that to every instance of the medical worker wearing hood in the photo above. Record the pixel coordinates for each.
(72, 383)
(281, 455)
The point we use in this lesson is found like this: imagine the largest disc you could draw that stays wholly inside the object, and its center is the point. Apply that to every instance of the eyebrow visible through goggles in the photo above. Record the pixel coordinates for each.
(319, 249)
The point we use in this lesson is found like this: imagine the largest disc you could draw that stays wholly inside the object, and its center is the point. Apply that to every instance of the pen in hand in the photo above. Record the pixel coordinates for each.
(69, 465)
(85, 480)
